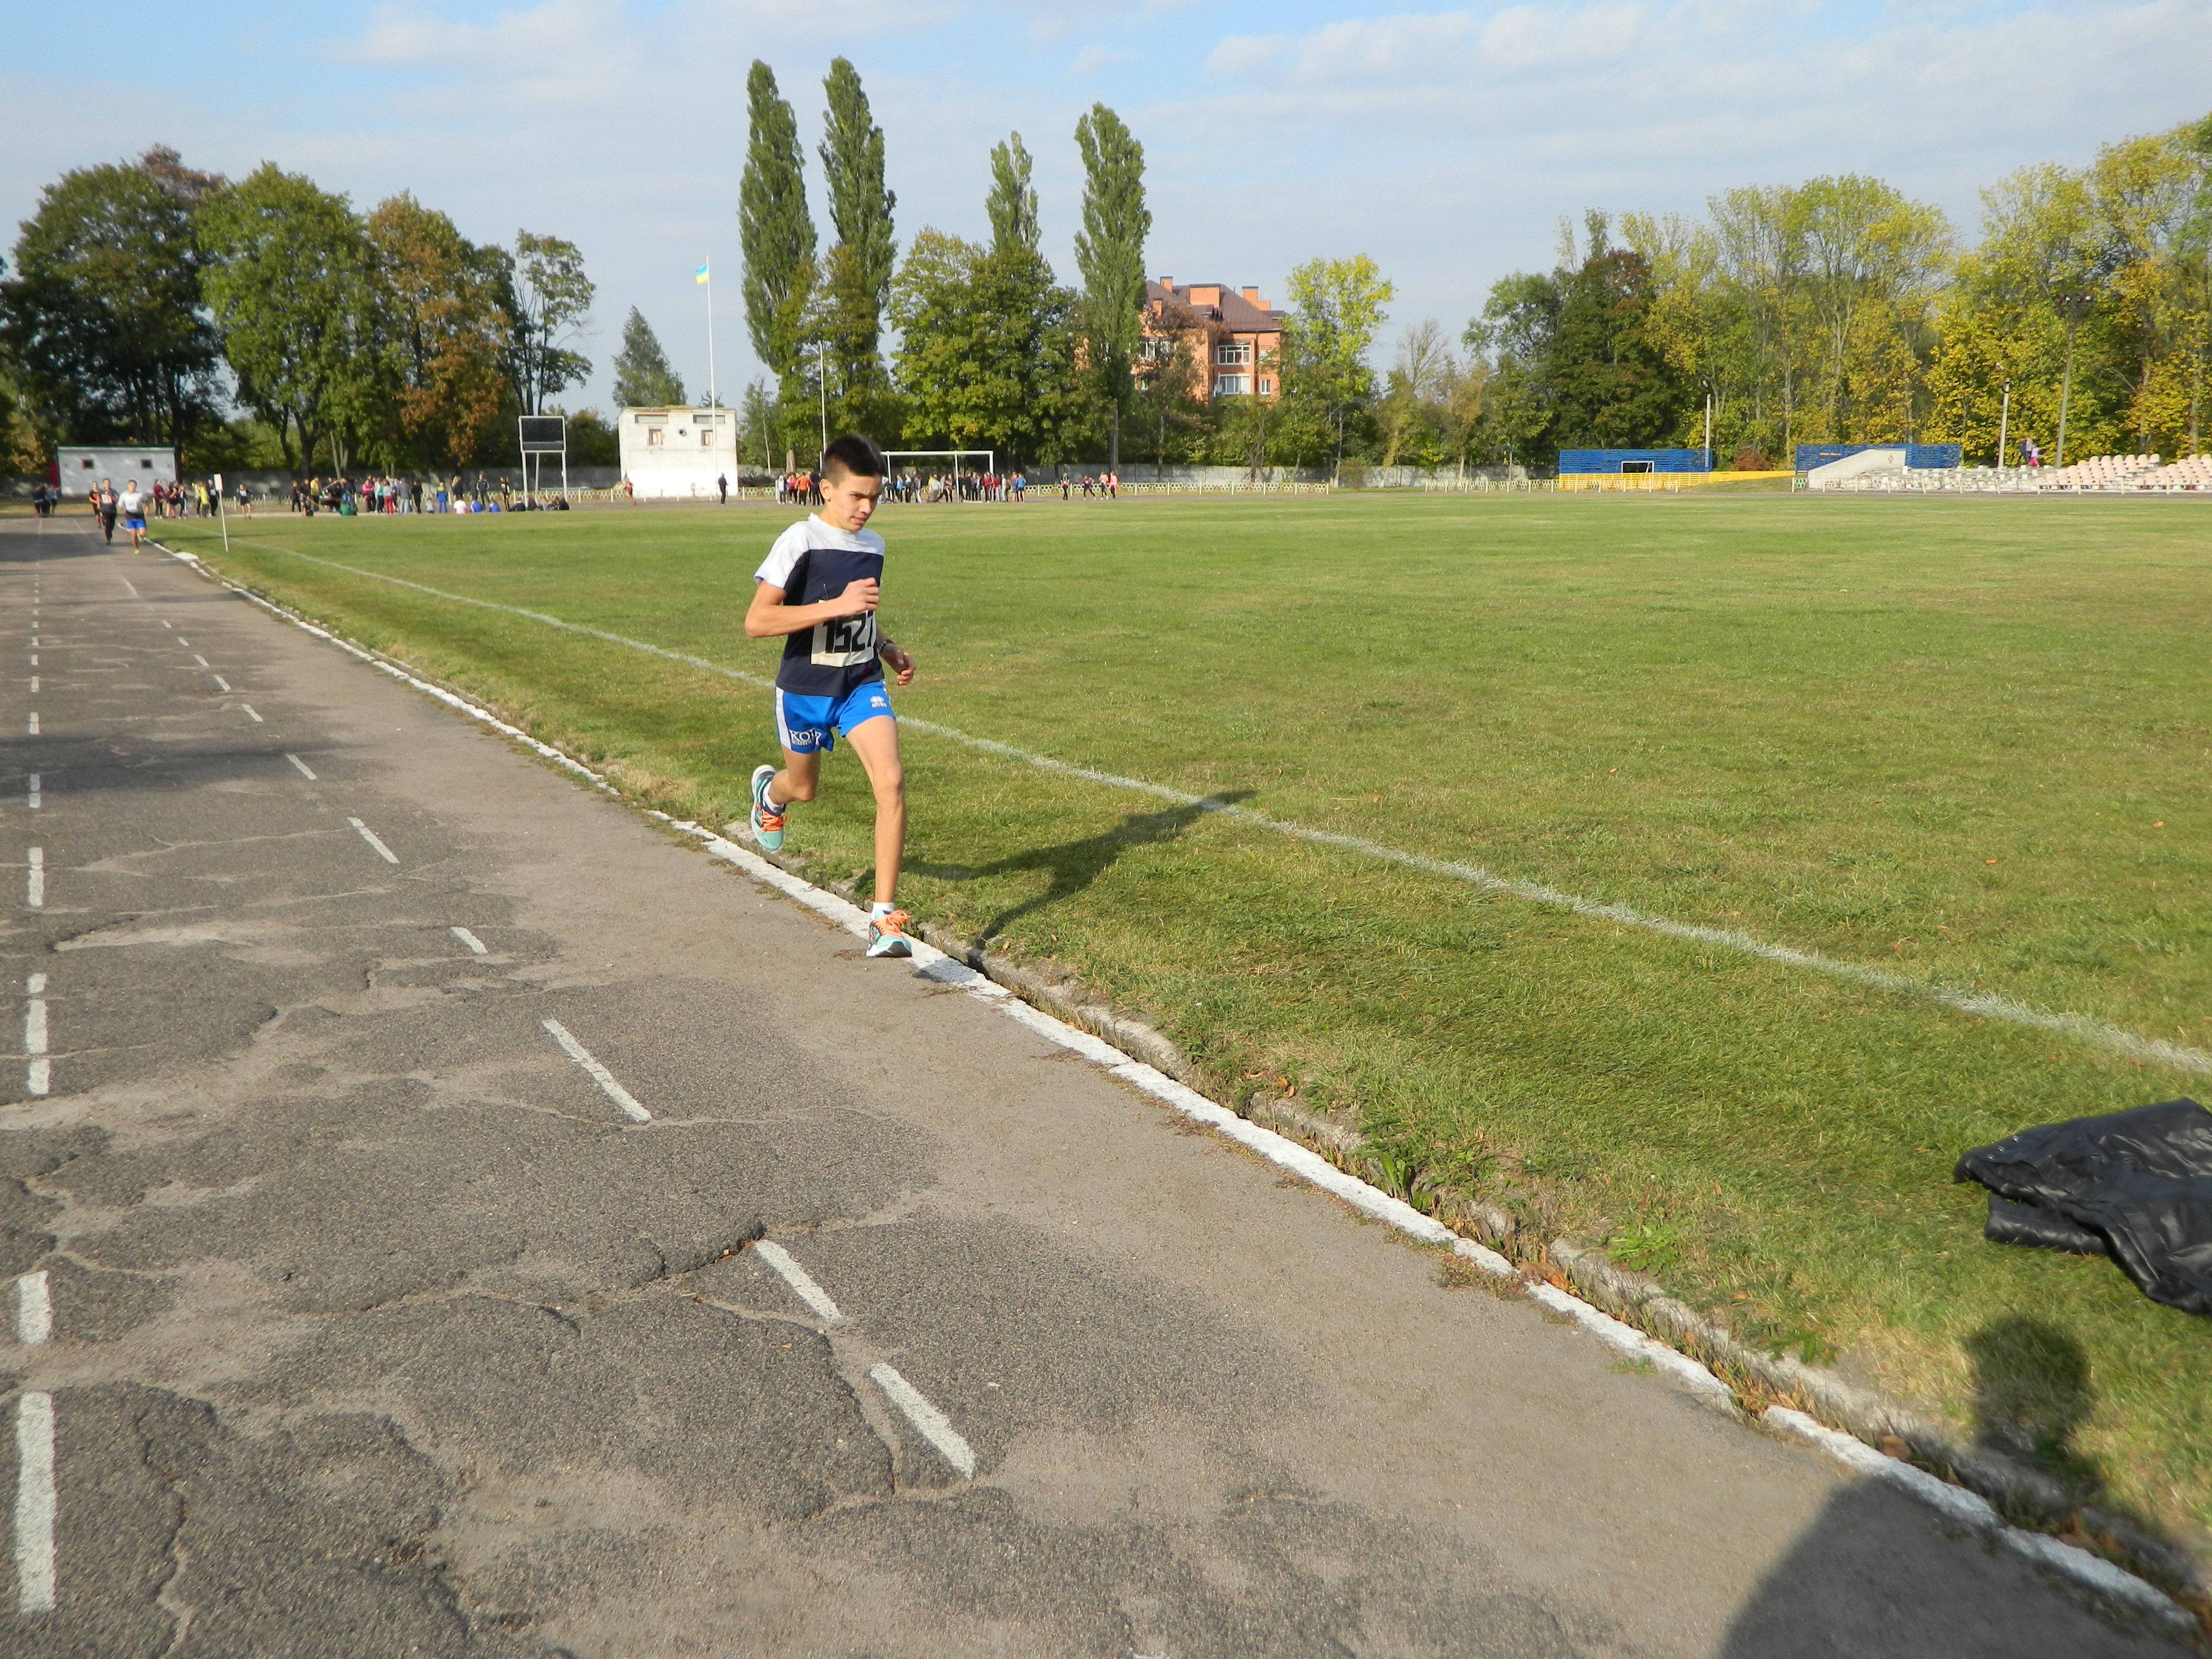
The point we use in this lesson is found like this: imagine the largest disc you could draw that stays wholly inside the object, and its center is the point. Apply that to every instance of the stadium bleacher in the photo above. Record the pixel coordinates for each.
(2100, 472)
(2195, 473)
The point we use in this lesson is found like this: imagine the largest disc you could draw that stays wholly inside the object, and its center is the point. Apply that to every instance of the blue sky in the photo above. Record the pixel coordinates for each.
(1445, 143)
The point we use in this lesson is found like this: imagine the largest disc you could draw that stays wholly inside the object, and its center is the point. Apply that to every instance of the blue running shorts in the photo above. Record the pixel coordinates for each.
(808, 726)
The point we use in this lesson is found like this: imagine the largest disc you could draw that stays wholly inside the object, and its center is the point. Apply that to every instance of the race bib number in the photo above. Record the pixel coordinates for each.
(846, 643)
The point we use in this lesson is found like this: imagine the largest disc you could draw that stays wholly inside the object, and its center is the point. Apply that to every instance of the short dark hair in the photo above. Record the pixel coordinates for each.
(854, 456)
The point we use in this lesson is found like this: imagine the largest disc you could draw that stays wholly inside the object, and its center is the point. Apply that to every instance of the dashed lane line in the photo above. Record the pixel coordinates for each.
(370, 836)
(302, 766)
(34, 879)
(221, 684)
(929, 1422)
(35, 1309)
(34, 1502)
(477, 946)
(126, 580)
(597, 1072)
(30, 729)
(257, 720)
(39, 1077)
(201, 660)
(32, 796)
(802, 1283)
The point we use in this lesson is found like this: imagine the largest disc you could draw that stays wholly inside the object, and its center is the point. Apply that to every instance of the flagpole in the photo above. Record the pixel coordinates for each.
(711, 404)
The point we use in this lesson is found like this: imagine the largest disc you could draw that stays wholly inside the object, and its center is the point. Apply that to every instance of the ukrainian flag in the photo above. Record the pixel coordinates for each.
(701, 275)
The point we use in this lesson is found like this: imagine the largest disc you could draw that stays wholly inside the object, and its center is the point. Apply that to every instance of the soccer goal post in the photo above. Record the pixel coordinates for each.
(893, 457)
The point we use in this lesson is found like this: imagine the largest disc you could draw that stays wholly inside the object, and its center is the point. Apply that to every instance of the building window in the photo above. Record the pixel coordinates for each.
(1234, 354)
(705, 438)
(1267, 387)
(1231, 386)
(655, 436)
(1156, 348)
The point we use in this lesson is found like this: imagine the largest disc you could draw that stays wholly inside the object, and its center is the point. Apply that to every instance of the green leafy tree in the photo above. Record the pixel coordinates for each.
(859, 269)
(1336, 310)
(987, 350)
(103, 317)
(291, 282)
(551, 299)
(775, 230)
(643, 378)
(1013, 200)
(1110, 252)
(446, 331)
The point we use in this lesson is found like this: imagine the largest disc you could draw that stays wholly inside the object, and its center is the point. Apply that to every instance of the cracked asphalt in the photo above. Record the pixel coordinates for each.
(377, 1327)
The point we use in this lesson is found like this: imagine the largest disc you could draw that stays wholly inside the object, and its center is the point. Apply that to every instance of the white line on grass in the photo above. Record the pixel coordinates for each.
(598, 1074)
(930, 1422)
(801, 1282)
(1985, 1004)
(369, 835)
(34, 1502)
(476, 945)
(35, 1309)
(39, 1076)
(34, 882)
(301, 764)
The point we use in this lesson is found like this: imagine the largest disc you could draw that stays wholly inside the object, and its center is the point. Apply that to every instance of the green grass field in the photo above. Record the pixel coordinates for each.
(1965, 740)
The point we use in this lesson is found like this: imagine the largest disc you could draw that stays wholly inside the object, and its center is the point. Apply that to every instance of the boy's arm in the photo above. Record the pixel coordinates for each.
(901, 664)
(768, 617)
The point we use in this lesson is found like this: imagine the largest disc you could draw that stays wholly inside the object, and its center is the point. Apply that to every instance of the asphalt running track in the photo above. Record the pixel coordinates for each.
(446, 1213)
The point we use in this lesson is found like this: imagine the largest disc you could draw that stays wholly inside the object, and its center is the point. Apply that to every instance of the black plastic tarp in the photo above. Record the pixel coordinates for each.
(2134, 1185)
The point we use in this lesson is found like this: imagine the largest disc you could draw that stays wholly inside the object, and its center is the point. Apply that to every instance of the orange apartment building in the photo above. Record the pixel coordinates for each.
(1236, 335)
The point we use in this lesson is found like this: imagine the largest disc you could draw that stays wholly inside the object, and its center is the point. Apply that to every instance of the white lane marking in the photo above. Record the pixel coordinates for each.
(126, 580)
(35, 685)
(476, 945)
(301, 764)
(165, 622)
(34, 661)
(32, 730)
(598, 1074)
(40, 1076)
(221, 684)
(34, 883)
(369, 835)
(1966, 1509)
(35, 1309)
(257, 720)
(1986, 1004)
(925, 1417)
(184, 642)
(802, 1283)
(35, 641)
(198, 659)
(34, 792)
(34, 1502)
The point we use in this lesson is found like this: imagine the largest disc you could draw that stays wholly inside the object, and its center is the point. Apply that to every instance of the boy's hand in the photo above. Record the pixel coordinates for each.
(858, 597)
(901, 664)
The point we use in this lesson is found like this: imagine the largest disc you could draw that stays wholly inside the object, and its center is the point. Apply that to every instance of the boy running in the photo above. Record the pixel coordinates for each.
(818, 589)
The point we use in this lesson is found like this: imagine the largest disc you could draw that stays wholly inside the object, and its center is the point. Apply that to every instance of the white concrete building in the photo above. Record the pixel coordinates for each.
(678, 453)
(82, 468)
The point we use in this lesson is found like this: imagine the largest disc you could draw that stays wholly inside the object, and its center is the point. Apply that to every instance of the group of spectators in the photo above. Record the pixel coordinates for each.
(390, 494)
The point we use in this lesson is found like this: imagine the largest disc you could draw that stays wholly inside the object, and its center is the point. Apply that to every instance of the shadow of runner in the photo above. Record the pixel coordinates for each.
(1878, 1574)
(1074, 865)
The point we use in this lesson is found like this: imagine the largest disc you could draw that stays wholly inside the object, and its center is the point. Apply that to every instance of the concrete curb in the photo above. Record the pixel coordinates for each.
(1140, 1056)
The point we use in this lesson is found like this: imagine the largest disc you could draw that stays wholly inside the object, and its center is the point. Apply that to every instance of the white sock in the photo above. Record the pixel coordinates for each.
(880, 908)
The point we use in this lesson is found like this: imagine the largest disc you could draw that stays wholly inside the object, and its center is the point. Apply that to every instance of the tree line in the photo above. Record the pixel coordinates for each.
(145, 299)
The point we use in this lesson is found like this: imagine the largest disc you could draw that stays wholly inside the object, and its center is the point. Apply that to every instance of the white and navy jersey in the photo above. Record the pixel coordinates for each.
(812, 562)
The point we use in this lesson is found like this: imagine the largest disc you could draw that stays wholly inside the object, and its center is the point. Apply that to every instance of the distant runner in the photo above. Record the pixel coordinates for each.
(133, 505)
(819, 590)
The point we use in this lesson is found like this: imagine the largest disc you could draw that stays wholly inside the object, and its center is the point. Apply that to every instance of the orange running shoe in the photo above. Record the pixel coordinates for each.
(887, 934)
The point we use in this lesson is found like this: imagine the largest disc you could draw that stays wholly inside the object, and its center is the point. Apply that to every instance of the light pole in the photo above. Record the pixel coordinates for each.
(2076, 306)
(822, 378)
(2004, 420)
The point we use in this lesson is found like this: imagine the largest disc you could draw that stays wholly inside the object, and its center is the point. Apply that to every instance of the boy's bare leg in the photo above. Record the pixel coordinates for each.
(876, 742)
(798, 780)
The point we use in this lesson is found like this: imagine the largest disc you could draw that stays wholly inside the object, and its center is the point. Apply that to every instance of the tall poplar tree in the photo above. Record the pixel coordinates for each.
(1109, 251)
(643, 376)
(1013, 200)
(775, 231)
(857, 275)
